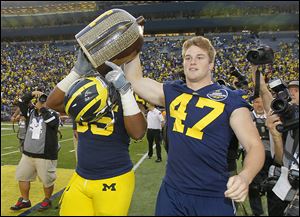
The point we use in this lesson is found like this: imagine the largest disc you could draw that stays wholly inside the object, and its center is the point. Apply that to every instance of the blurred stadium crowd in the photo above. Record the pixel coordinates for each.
(32, 66)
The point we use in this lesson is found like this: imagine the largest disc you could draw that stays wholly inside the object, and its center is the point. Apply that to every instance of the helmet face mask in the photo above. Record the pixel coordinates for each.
(89, 99)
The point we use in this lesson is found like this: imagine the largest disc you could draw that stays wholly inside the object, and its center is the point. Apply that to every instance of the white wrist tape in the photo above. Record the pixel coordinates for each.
(130, 107)
(65, 84)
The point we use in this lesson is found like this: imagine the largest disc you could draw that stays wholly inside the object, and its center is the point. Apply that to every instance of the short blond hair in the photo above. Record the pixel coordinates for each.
(201, 42)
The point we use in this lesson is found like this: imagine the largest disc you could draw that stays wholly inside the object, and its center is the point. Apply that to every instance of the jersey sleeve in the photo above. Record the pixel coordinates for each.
(237, 101)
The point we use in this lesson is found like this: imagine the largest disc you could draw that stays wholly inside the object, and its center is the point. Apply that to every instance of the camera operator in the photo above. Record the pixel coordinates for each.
(259, 118)
(40, 149)
(286, 149)
(290, 144)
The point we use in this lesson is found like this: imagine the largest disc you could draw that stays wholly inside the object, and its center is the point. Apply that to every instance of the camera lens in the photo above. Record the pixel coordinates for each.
(252, 55)
(279, 105)
(43, 98)
(280, 128)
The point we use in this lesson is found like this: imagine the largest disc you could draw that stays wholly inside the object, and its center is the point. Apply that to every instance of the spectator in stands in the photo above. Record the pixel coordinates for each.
(21, 63)
(25, 65)
(200, 116)
(40, 150)
(155, 122)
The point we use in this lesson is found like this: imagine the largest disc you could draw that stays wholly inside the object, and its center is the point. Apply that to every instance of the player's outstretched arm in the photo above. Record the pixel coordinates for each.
(247, 134)
(146, 88)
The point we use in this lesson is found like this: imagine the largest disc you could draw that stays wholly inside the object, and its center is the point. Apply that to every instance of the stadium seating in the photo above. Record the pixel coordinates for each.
(28, 66)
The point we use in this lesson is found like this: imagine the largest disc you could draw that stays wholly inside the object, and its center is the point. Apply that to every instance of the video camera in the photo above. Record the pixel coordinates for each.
(274, 174)
(261, 55)
(292, 195)
(288, 113)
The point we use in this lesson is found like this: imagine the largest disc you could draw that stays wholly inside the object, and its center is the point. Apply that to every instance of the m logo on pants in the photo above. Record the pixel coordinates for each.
(112, 187)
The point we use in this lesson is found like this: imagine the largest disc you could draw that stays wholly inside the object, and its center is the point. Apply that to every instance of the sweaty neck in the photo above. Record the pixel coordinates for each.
(199, 84)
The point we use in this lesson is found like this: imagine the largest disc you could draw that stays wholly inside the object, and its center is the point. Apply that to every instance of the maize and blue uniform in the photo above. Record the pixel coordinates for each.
(199, 134)
(104, 181)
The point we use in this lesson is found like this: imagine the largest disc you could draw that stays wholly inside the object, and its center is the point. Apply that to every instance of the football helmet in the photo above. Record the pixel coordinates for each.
(90, 98)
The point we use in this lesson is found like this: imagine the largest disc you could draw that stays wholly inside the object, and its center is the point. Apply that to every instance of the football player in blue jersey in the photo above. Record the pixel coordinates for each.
(201, 117)
(106, 117)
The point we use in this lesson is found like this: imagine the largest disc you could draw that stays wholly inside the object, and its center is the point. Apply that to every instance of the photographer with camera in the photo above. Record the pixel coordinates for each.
(282, 121)
(40, 149)
(255, 191)
(284, 127)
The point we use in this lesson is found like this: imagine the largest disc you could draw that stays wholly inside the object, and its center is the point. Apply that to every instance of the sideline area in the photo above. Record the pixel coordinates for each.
(10, 189)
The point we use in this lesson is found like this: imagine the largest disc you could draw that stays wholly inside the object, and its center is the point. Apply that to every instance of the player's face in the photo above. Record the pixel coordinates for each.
(196, 64)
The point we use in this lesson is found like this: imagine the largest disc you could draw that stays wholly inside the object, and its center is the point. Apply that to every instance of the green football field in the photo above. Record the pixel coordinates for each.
(148, 175)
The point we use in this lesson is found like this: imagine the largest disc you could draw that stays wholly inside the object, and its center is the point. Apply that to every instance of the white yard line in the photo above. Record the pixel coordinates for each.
(9, 147)
(134, 167)
(64, 140)
(8, 134)
(10, 153)
(141, 160)
(2, 124)
(19, 151)
(4, 128)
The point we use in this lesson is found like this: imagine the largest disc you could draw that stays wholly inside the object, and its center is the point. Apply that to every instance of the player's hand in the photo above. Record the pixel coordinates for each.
(83, 66)
(237, 188)
(117, 78)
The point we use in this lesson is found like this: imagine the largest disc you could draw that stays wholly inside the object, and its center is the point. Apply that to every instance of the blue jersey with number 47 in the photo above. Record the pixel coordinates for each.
(199, 134)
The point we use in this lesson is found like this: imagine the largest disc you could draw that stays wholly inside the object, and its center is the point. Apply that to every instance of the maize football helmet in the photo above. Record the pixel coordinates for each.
(90, 98)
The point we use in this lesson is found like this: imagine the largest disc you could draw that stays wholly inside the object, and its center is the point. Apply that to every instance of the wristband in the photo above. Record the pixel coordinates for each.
(130, 106)
(65, 84)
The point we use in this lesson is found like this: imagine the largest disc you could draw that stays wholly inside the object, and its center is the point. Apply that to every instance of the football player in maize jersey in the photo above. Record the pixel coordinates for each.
(201, 118)
(103, 182)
